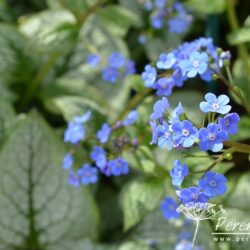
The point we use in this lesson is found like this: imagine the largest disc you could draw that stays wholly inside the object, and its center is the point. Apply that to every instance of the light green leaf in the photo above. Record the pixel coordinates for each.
(51, 31)
(7, 118)
(207, 6)
(38, 208)
(139, 198)
(240, 36)
(117, 19)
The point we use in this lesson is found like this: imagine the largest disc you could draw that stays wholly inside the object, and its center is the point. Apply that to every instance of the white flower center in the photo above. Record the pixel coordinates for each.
(215, 106)
(212, 183)
(185, 132)
(211, 137)
(226, 122)
(195, 196)
(196, 64)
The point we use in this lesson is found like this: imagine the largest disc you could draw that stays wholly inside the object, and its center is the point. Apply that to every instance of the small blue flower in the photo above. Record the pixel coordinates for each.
(193, 194)
(149, 75)
(184, 245)
(164, 136)
(131, 118)
(74, 179)
(118, 166)
(83, 118)
(213, 184)
(176, 114)
(117, 60)
(224, 56)
(166, 61)
(74, 133)
(153, 127)
(129, 68)
(164, 86)
(157, 19)
(197, 63)
(111, 74)
(168, 207)
(88, 174)
(178, 173)
(184, 133)
(68, 161)
(93, 60)
(160, 3)
(212, 137)
(160, 107)
(148, 5)
(98, 155)
(104, 133)
(229, 123)
(180, 23)
(214, 104)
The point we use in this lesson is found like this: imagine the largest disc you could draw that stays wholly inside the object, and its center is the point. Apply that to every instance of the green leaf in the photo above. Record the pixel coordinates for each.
(7, 118)
(240, 36)
(139, 198)
(51, 31)
(38, 208)
(117, 19)
(207, 6)
(166, 233)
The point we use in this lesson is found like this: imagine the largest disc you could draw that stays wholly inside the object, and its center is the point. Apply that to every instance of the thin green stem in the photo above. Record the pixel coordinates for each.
(42, 72)
(233, 21)
(133, 103)
(238, 147)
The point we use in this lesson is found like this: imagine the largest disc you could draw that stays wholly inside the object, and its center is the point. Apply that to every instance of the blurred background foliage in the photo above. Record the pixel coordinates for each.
(45, 81)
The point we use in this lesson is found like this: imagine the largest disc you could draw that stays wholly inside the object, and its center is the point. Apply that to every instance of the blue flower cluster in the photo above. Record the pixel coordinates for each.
(118, 66)
(166, 13)
(88, 173)
(174, 130)
(199, 57)
(209, 186)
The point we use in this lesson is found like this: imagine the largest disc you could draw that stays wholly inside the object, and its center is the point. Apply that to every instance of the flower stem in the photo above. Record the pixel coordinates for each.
(238, 147)
(195, 233)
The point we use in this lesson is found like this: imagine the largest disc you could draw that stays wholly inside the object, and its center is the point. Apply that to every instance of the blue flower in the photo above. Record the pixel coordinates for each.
(75, 130)
(74, 133)
(88, 174)
(164, 86)
(117, 60)
(213, 184)
(166, 61)
(68, 161)
(184, 133)
(142, 39)
(176, 113)
(74, 179)
(104, 133)
(229, 123)
(212, 137)
(184, 245)
(168, 207)
(118, 166)
(129, 68)
(131, 118)
(164, 136)
(197, 63)
(93, 60)
(178, 172)
(214, 104)
(160, 107)
(110, 74)
(224, 56)
(179, 24)
(160, 3)
(149, 75)
(148, 5)
(157, 19)
(83, 118)
(193, 194)
(153, 127)
(98, 155)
